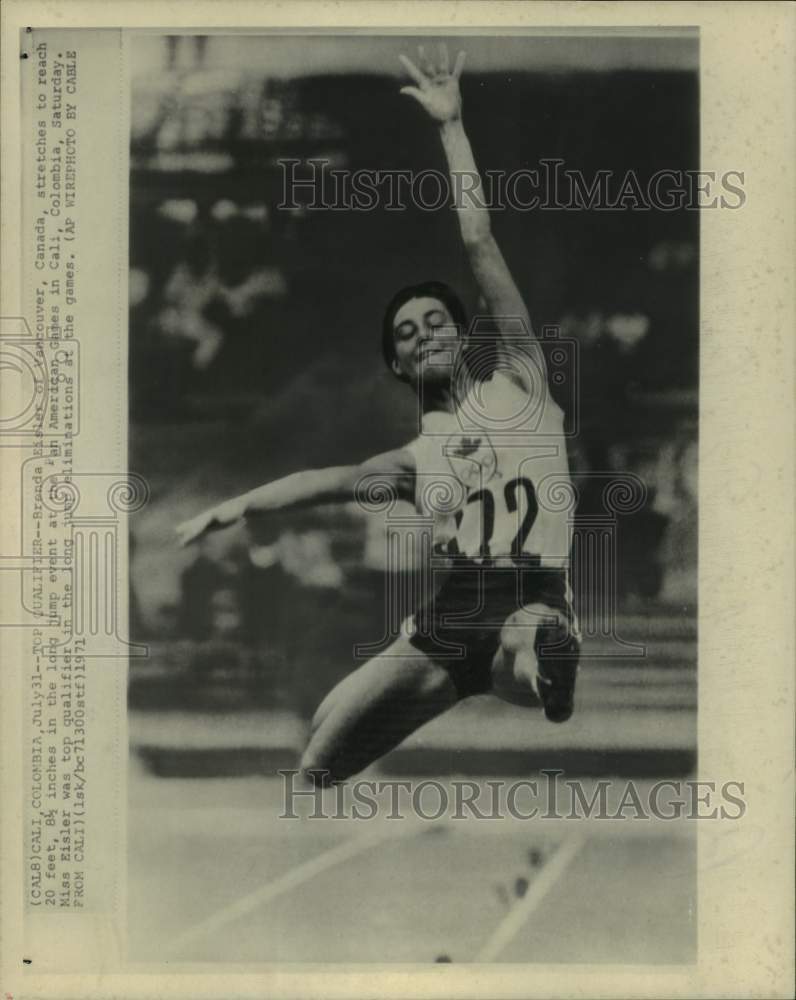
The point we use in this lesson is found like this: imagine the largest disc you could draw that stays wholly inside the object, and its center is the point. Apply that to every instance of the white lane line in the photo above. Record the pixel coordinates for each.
(511, 924)
(290, 880)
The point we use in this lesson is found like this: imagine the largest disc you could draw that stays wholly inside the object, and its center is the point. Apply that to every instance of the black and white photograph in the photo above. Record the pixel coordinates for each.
(396, 460)
(414, 363)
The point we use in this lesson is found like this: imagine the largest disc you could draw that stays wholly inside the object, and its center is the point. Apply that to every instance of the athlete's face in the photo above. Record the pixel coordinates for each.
(426, 341)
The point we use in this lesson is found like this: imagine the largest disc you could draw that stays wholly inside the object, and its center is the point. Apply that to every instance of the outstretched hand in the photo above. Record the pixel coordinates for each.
(437, 87)
(196, 527)
(213, 519)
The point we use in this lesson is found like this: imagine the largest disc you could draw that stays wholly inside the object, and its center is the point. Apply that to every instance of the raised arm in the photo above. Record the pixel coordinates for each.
(311, 487)
(437, 91)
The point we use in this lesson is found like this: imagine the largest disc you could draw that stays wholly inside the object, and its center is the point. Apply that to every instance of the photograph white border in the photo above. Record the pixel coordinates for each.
(746, 587)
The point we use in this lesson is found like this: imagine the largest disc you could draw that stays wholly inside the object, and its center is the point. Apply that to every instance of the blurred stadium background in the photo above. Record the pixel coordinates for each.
(254, 350)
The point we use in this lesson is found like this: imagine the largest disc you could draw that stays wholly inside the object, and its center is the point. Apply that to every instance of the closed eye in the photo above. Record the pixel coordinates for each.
(435, 318)
(405, 330)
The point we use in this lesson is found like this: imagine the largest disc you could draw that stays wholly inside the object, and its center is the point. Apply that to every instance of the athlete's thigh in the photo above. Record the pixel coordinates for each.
(375, 708)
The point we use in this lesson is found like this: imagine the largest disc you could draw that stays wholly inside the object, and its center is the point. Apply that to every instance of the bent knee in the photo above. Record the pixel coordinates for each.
(521, 628)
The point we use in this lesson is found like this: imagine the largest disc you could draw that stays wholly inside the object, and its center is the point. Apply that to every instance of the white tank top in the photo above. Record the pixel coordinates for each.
(494, 476)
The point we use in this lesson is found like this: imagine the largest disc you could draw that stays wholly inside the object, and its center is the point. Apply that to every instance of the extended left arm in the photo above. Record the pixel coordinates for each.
(494, 279)
(437, 90)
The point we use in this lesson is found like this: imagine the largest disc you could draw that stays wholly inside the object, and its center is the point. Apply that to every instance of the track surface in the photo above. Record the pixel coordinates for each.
(215, 876)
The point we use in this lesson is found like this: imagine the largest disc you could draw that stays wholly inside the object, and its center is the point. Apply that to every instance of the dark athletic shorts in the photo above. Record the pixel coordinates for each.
(460, 626)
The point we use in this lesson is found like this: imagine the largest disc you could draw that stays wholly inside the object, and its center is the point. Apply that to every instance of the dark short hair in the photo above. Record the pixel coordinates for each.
(425, 290)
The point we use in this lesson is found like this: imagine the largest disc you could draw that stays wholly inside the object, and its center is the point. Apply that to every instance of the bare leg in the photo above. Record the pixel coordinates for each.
(373, 710)
(515, 665)
(514, 677)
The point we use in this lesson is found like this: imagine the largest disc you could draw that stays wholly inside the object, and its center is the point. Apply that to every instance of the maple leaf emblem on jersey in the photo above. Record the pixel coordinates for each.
(468, 446)
(472, 458)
